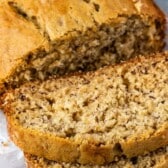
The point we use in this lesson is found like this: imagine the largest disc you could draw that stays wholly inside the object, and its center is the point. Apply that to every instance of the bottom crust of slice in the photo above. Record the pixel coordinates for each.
(157, 159)
(60, 149)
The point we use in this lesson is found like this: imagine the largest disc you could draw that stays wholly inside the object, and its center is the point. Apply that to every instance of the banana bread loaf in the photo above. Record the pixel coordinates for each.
(157, 159)
(40, 38)
(94, 117)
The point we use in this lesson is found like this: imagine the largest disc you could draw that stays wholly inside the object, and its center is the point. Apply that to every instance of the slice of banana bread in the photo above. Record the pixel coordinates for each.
(157, 159)
(94, 117)
(40, 38)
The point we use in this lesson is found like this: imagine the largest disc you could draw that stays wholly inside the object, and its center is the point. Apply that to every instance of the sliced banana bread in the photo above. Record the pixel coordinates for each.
(94, 117)
(157, 159)
(40, 38)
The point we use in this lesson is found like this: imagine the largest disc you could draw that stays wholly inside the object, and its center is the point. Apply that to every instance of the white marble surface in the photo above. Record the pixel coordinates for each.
(10, 155)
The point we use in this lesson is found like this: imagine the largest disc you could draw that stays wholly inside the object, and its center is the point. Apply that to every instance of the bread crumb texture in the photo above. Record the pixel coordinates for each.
(118, 109)
(62, 37)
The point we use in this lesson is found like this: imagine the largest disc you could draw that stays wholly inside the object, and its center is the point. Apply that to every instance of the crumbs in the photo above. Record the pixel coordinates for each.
(5, 144)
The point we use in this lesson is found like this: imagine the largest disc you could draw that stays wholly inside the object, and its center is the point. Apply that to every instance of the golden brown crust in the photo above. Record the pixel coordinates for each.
(148, 7)
(57, 17)
(146, 142)
(60, 149)
(157, 159)
(18, 38)
(37, 143)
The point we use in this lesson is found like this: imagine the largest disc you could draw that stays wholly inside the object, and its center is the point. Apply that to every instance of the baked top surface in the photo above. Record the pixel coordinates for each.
(57, 17)
(10, 160)
(53, 19)
(17, 38)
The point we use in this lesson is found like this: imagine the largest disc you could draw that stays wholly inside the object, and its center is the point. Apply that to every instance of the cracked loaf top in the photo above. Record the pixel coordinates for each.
(57, 18)
(33, 25)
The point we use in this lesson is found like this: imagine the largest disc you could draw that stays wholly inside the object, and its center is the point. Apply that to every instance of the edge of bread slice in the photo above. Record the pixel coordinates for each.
(93, 117)
(40, 38)
(156, 159)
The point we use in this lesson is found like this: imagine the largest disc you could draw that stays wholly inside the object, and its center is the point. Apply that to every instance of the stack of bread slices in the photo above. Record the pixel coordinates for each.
(75, 88)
